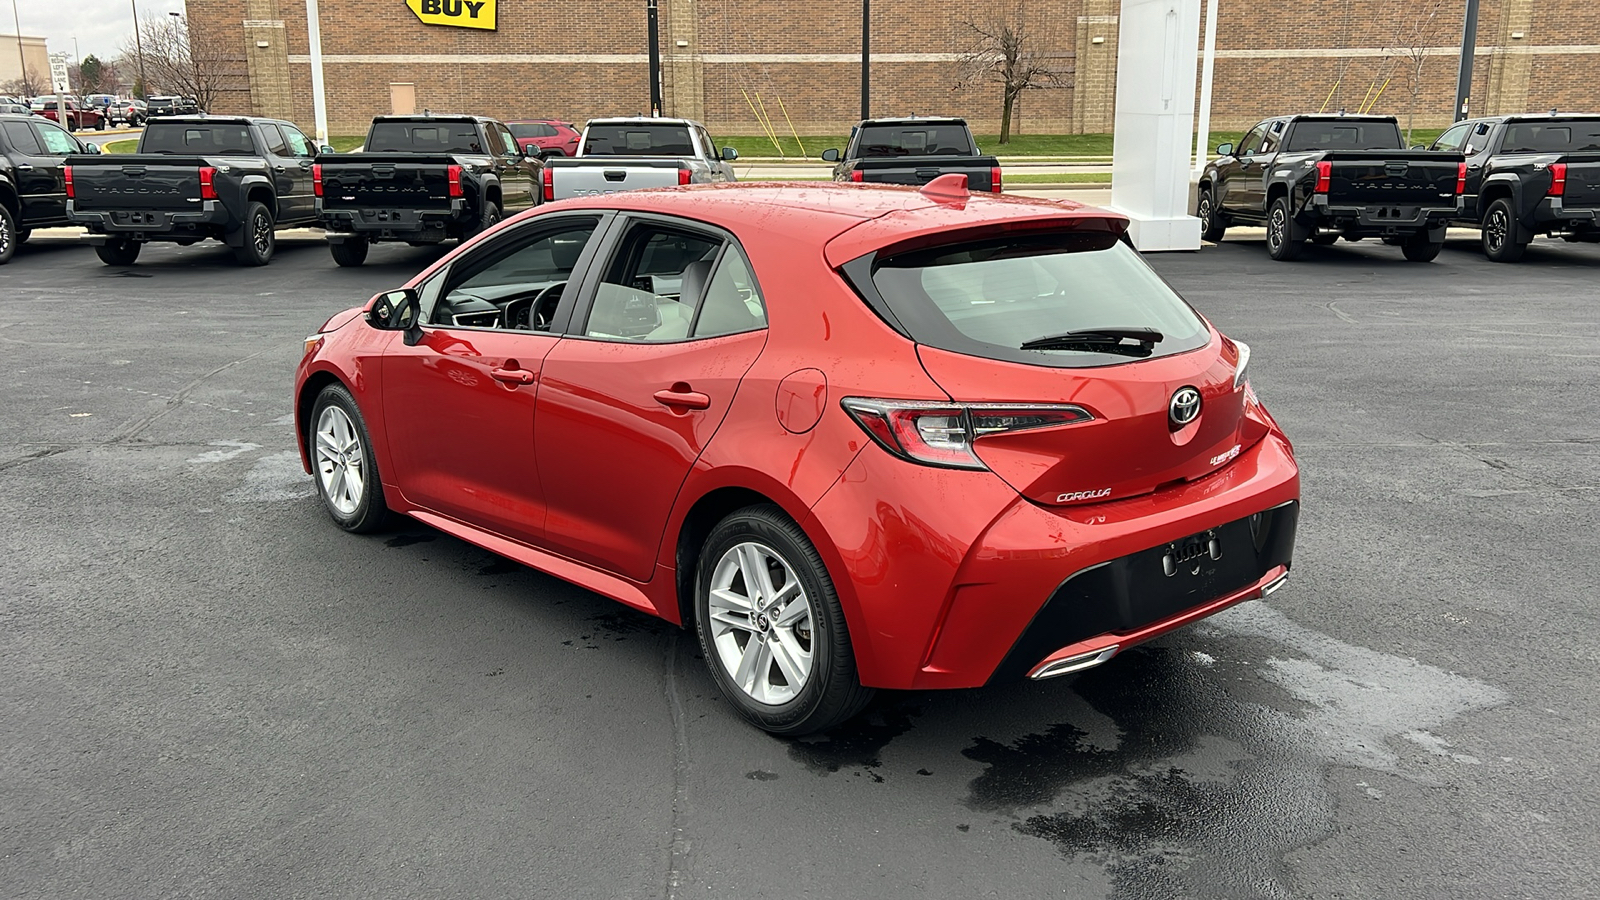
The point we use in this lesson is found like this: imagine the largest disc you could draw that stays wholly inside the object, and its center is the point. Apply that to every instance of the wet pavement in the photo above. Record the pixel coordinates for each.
(208, 690)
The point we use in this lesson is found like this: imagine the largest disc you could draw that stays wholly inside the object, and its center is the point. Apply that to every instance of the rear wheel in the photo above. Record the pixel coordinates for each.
(341, 457)
(1420, 249)
(1284, 240)
(350, 252)
(771, 628)
(8, 236)
(1213, 225)
(259, 238)
(1502, 238)
(491, 217)
(118, 251)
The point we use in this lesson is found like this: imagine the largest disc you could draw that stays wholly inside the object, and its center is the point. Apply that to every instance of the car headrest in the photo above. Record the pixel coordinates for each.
(695, 275)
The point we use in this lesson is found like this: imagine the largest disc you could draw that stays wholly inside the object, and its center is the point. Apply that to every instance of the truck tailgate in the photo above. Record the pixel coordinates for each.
(1583, 180)
(379, 180)
(136, 181)
(585, 177)
(1414, 177)
(920, 170)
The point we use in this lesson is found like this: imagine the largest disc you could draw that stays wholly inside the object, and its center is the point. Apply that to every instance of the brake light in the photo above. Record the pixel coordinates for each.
(208, 183)
(994, 179)
(683, 176)
(316, 179)
(66, 176)
(1461, 179)
(1324, 176)
(549, 183)
(856, 176)
(1558, 179)
(455, 181)
(942, 434)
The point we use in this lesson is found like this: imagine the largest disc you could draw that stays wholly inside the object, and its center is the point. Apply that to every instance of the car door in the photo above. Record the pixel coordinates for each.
(1481, 142)
(660, 340)
(42, 185)
(513, 167)
(459, 404)
(1453, 140)
(1254, 167)
(297, 172)
(1234, 173)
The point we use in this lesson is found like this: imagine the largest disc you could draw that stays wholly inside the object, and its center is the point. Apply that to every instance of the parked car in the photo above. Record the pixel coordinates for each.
(768, 413)
(32, 181)
(171, 106)
(235, 179)
(548, 136)
(1321, 178)
(1527, 176)
(633, 153)
(14, 109)
(422, 180)
(79, 117)
(913, 151)
(129, 112)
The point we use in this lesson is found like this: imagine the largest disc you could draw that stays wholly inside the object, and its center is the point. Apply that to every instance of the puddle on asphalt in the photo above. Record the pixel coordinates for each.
(274, 478)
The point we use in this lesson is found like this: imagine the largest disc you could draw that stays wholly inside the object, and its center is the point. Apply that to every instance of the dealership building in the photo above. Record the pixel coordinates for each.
(736, 63)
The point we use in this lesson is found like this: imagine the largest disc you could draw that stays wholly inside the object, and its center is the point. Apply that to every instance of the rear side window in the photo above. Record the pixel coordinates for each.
(638, 140)
(1345, 135)
(990, 298)
(1551, 137)
(914, 140)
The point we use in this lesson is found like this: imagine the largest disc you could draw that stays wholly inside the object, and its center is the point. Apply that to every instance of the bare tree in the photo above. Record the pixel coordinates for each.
(29, 85)
(1424, 27)
(1002, 49)
(178, 62)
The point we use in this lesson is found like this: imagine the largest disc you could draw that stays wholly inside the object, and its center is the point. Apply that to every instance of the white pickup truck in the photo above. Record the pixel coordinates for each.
(629, 154)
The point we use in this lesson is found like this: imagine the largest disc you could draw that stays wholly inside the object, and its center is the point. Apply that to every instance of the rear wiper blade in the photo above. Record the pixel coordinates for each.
(1102, 339)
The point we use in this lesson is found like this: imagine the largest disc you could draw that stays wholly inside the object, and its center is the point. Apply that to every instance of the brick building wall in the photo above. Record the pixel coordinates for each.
(797, 61)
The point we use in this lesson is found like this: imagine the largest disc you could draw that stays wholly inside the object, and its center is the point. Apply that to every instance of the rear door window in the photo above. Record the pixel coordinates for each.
(669, 283)
(274, 139)
(22, 138)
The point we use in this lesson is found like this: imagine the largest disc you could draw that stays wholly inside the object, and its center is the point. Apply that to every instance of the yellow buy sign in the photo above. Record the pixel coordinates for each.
(456, 13)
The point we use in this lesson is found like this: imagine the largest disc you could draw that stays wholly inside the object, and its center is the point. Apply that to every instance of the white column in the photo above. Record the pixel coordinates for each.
(319, 97)
(1208, 65)
(1157, 54)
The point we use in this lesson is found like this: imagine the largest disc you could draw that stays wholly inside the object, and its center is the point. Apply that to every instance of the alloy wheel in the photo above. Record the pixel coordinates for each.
(761, 623)
(262, 235)
(1494, 231)
(1276, 226)
(1205, 212)
(341, 465)
(5, 236)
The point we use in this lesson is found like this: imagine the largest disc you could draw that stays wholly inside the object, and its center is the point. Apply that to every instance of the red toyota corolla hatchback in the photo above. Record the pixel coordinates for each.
(857, 437)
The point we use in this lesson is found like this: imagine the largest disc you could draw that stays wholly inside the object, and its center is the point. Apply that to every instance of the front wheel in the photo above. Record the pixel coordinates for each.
(1284, 240)
(1212, 224)
(771, 628)
(341, 457)
(1420, 249)
(1502, 240)
(118, 251)
(259, 238)
(350, 252)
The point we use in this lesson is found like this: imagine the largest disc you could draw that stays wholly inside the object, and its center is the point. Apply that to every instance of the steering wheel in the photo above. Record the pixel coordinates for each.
(538, 314)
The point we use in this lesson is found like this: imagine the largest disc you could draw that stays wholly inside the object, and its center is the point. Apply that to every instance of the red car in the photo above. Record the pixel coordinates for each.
(856, 437)
(79, 117)
(553, 138)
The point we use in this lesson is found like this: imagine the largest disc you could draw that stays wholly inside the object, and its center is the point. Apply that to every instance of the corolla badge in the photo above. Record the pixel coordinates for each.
(1184, 407)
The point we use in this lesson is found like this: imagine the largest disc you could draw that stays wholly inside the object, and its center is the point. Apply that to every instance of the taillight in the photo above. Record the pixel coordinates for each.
(66, 176)
(316, 179)
(684, 175)
(1558, 179)
(942, 434)
(1461, 178)
(1324, 177)
(455, 181)
(994, 179)
(549, 183)
(856, 176)
(208, 183)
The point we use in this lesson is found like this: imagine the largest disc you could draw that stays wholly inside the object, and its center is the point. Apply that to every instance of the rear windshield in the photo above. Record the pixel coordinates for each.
(185, 138)
(915, 140)
(1336, 135)
(1552, 137)
(638, 140)
(424, 137)
(990, 298)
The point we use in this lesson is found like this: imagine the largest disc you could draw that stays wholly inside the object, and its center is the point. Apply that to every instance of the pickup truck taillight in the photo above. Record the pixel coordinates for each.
(1461, 179)
(857, 176)
(66, 177)
(994, 179)
(1558, 180)
(1324, 176)
(316, 179)
(684, 175)
(549, 183)
(208, 184)
(455, 181)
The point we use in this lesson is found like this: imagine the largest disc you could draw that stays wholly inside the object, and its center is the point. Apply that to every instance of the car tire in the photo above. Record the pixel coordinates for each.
(118, 251)
(490, 218)
(8, 236)
(342, 462)
(350, 252)
(1420, 249)
(23, 234)
(1502, 236)
(1324, 240)
(100, 125)
(1284, 238)
(259, 238)
(809, 683)
(1213, 224)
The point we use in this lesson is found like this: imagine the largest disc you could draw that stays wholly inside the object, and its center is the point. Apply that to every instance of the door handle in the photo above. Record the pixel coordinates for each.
(683, 399)
(512, 374)
(24, 167)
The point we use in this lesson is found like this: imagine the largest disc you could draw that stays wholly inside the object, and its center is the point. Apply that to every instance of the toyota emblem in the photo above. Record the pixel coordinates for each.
(1185, 407)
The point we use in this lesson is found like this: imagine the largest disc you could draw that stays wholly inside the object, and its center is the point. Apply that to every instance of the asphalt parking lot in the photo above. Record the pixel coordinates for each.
(209, 690)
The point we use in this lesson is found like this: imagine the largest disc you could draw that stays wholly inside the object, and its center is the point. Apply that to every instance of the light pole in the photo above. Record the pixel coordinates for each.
(22, 58)
(653, 29)
(138, 49)
(1469, 46)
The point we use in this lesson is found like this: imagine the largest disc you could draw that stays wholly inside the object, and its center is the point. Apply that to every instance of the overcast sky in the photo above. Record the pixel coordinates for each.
(100, 26)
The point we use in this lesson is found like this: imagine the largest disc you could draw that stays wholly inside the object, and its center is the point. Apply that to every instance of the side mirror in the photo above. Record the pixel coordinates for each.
(326, 148)
(1225, 148)
(1418, 147)
(91, 149)
(397, 310)
(730, 154)
(830, 155)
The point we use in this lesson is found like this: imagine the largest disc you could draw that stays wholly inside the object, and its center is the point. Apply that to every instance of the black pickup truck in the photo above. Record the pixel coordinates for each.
(233, 178)
(33, 192)
(423, 179)
(913, 151)
(1326, 177)
(1527, 176)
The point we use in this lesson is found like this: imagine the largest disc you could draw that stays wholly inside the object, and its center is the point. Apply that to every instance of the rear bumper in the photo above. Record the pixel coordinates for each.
(1377, 220)
(1553, 214)
(375, 224)
(151, 225)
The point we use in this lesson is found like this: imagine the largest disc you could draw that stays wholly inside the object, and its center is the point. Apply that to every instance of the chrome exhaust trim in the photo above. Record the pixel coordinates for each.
(1274, 584)
(1074, 663)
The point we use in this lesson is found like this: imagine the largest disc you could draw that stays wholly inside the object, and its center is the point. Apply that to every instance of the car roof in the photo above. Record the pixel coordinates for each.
(874, 215)
(204, 119)
(915, 120)
(434, 117)
(1548, 117)
(641, 120)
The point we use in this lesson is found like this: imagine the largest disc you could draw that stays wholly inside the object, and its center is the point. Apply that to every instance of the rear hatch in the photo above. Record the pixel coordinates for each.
(386, 180)
(1122, 388)
(1370, 177)
(138, 182)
